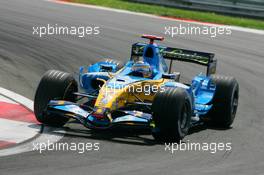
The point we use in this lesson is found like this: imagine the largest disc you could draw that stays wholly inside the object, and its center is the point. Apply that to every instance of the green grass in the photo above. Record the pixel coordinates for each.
(178, 13)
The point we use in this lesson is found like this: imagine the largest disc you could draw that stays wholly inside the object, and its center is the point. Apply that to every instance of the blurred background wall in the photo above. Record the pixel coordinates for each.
(243, 8)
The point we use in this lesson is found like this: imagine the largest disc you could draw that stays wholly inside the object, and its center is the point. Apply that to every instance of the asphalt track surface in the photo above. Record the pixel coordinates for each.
(25, 57)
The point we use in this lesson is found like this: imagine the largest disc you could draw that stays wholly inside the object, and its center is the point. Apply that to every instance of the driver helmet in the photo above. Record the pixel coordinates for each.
(142, 69)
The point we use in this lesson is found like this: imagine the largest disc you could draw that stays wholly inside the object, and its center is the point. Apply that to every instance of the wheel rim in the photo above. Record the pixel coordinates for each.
(68, 95)
(234, 104)
(184, 117)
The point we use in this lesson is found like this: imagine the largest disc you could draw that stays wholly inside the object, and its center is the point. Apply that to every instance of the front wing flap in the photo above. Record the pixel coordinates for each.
(73, 110)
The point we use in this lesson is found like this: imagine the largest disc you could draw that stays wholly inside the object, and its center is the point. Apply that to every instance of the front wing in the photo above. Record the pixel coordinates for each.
(80, 113)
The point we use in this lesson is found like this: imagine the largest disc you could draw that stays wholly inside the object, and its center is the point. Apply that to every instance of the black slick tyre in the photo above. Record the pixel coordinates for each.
(225, 101)
(54, 85)
(171, 114)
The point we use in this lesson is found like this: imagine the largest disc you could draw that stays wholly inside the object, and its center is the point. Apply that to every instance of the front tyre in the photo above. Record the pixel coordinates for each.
(54, 85)
(225, 101)
(171, 114)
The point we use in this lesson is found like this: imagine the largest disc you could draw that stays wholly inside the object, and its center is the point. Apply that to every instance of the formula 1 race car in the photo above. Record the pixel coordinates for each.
(142, 93)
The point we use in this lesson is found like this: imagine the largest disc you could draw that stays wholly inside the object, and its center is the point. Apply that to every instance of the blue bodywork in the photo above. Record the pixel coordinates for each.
(201, 90)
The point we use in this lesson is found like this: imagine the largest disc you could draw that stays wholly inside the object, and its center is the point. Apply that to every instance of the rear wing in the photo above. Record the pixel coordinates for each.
(177, 54)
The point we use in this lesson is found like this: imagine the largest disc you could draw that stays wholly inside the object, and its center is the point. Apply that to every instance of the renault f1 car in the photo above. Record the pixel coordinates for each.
(142, 93)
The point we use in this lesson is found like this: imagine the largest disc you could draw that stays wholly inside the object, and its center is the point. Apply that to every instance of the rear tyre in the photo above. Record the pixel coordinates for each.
(171, 115)
(53, 85)
(225, 101)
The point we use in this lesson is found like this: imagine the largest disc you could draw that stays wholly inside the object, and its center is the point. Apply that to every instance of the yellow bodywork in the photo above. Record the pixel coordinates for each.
(112, 99)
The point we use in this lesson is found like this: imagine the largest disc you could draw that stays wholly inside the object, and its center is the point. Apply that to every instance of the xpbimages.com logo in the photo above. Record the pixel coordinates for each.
(212, 147)
(211, 31)
(146, 89)
(78, 31)
(60, 146)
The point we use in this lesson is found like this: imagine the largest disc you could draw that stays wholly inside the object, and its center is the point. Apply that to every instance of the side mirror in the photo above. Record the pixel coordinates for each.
(106, 68)
(175, 76)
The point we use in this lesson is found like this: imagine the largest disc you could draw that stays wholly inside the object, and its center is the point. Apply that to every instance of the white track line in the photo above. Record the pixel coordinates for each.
(17, 131)
(7, 100)
(48, 134)
(17, 98)
(236, 28)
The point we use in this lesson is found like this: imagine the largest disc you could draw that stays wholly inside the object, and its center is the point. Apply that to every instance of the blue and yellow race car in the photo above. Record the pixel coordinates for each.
(142, 93)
